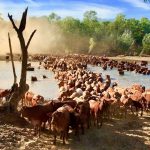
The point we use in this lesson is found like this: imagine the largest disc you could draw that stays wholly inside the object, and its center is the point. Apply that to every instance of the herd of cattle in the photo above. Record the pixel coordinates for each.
(85, 98)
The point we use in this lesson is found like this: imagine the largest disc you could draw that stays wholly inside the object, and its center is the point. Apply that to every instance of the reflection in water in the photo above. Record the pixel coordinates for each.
(45, 87)
(127, 80)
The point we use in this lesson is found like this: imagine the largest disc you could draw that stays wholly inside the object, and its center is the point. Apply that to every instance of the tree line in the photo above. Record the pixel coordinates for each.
(112, 37)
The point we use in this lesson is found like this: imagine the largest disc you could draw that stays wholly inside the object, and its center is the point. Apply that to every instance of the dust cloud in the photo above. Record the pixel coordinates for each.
(47, 39)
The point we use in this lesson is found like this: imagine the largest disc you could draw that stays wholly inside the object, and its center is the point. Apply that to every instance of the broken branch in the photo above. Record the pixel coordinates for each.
(30, 39)
(12, 21)
(23, 20)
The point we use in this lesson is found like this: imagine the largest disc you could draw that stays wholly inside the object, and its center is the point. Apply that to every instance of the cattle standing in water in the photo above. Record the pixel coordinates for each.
(33, 78)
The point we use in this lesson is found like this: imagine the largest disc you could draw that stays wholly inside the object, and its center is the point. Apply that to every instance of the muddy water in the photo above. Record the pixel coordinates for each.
(46, 87)
(49, 88)
(127, 80)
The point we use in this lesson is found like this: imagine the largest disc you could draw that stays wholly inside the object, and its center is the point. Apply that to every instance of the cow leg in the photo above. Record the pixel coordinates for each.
(77, 133)
(88, 120)
(61, 134)
(97, 120)
(132, 110)
(35, 130)
(101, 120)
(54, 140)
(65, 136)
(82, 128)
(136, 111)
(94, 119)
(141, 111)
(43, 126)
(108, 113)
(67, 131)
(125, 112)
(39, 130)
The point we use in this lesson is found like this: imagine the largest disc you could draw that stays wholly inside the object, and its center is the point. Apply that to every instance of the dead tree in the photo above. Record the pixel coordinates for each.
(12, 60)
(23, 87)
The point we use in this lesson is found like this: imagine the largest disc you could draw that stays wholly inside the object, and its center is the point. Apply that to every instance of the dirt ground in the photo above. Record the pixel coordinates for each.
(132, 133)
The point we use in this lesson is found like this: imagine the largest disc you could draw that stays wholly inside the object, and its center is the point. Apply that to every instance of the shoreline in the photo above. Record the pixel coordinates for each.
(119, 58)
(131, 58)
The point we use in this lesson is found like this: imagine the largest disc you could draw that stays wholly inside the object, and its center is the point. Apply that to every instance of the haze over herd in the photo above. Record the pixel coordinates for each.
(61, 89)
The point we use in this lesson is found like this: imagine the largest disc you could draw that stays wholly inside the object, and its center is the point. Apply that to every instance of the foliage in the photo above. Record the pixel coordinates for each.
(53, 17)
(96, 36)
(146, 44)
(125, 41)
(119, 36)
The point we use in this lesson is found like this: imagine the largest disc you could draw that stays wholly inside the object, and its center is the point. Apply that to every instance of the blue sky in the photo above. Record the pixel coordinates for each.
(106, 9)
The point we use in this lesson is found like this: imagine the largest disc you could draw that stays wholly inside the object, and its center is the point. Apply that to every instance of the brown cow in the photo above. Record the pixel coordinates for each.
(37, 114)
(37, 99)
(57, 104)
(127, 101)
(96, 110)
(60, 123)
(83, 108)
(146, 96)
(30, 99)
(4, 93)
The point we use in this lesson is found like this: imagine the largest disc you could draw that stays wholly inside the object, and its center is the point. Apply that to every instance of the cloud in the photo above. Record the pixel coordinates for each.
(62, 8)
(138, 3)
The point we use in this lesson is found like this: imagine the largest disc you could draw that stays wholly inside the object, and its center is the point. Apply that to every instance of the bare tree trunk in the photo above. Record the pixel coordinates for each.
(17, 94)
(22, 83)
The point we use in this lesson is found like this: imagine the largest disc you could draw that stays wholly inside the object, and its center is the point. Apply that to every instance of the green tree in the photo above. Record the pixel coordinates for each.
(137, 34)
(145, 24)
(146, 44)
(90, 23)
(119, 24)
(53, 17)
(125, 41)
(70, 25)
(90, 15)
